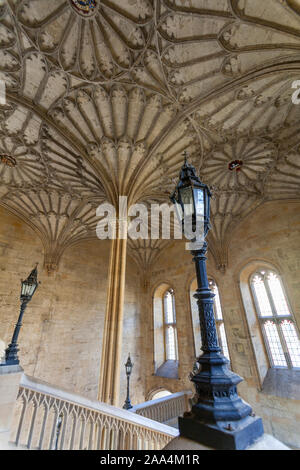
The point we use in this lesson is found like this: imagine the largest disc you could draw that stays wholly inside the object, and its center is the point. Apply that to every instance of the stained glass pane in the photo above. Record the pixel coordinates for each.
(199, 201)
(274, 344)
(262, 297)
(187, 199)
(281, 305)
(170, 343)
(292, 341)
(224, 345)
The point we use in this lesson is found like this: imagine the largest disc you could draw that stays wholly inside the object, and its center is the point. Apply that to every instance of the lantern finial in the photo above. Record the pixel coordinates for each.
(186, 155)
(32, 278)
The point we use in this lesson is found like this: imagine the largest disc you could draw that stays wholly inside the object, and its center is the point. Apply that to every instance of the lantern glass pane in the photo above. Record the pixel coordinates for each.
(25, 288)
(199, 202)
(31, 289)
(187, 200)
(28, 289)
(179, 212)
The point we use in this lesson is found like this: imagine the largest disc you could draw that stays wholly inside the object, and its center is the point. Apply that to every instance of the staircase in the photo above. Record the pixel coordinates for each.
(167, 409)
(46, 417)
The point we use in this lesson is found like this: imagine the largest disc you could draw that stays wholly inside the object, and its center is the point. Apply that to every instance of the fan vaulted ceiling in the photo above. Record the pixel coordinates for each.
(103, 96)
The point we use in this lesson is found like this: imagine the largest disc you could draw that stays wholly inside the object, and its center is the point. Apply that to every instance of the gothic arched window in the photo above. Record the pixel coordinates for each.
(170, 329)
(276, 320)
(218, 318)
(165, 332)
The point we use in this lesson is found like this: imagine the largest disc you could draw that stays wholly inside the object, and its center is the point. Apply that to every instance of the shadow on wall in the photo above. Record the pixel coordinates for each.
(168, 369)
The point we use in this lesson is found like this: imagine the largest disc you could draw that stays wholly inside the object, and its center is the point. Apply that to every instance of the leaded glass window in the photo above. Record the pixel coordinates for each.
(170, 326)
(276, 319)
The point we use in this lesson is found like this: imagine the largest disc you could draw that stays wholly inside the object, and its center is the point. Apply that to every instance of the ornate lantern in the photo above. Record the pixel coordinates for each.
(29, 286)
(192, 199)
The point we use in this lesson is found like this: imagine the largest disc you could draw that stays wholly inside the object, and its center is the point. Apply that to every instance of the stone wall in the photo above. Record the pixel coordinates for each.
(20, 249)
(132, 336)
(61, 337)
(72, 326)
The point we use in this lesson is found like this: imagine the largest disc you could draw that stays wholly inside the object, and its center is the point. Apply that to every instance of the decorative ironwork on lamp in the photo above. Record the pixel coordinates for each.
(219, 418)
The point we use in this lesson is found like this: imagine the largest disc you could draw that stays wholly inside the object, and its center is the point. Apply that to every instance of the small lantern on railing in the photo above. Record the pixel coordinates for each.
(128, 369)
(128, 366)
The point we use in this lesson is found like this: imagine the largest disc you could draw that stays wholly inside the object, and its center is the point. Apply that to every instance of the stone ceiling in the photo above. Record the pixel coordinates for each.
(104, 96)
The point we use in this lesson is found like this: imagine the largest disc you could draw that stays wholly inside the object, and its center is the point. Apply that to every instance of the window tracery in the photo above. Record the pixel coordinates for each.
(276, 319)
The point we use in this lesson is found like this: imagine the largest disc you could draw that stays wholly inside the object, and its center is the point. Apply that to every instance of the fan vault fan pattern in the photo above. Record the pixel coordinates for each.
(102, 97)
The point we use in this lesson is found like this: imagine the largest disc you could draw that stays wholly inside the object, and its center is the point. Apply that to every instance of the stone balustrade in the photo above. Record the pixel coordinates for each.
(48, 418)
(165, 409)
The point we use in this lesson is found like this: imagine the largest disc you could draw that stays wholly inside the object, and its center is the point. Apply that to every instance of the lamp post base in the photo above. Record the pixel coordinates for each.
(11, 355)
(10, 362)
(127, 405)
(222, 436)
(265, 442)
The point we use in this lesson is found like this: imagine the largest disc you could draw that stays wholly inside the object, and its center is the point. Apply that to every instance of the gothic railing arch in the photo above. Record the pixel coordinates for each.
(166, 408)
(49, 418)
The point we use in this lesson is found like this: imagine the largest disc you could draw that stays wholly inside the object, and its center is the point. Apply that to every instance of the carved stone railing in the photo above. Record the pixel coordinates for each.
(165, 409)
(49, 418)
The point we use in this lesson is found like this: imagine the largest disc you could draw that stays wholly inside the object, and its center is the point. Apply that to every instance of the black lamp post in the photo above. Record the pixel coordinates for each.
(128, 367)
(220, 418)
(28, 288)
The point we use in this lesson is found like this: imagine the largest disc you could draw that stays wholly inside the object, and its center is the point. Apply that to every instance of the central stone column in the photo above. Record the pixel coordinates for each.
(109, 385)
